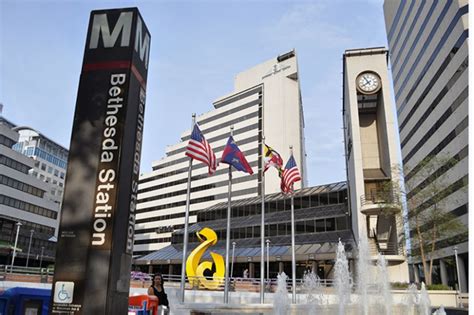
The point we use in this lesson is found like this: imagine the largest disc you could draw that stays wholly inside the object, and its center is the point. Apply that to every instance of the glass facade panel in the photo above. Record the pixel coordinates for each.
(320, 226)
(341, 223)
(330, 224)
(310, 226)
(282, 229)
(300, 227)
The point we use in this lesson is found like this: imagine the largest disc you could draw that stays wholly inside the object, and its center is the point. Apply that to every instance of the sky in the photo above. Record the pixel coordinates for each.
(197, 47)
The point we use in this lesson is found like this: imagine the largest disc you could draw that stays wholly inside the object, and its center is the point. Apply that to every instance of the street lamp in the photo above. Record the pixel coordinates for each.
(29, 247)
(232, 264)
(18, 224)
(455, 248)
(41, 257)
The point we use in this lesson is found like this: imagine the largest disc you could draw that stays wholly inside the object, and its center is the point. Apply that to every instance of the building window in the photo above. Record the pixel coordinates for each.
(5, 180)
(320, 226)
(330, 224)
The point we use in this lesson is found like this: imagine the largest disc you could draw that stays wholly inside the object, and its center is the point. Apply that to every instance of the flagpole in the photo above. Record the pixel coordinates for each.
(293, 255)
(186, 220)
(262, 234)
(227, 240)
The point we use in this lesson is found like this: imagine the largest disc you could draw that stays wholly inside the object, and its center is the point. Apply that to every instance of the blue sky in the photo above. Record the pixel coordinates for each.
(197, 49)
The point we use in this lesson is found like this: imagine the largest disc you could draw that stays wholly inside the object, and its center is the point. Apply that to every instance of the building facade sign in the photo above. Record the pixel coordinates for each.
(95, 241)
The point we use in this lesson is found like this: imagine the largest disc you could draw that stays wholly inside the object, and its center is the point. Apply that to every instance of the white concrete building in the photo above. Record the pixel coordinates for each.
(371, 155)
(428, 42)
(50, 159)
(23, 199)
(266, 101)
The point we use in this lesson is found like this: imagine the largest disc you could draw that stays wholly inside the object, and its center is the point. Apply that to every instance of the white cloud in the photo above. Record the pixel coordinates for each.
(306, 22)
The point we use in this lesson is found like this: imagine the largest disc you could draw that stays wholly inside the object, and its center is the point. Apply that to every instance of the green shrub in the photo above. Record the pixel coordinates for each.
(438, 287)
(399, 285)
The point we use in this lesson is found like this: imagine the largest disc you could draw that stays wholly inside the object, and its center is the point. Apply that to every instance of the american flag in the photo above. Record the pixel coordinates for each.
(198, 148)
(290, 176)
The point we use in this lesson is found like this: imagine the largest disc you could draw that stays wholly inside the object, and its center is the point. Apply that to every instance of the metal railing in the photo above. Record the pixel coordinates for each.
(241, 284)
(385, 248)
(26, 270)
(379, 197)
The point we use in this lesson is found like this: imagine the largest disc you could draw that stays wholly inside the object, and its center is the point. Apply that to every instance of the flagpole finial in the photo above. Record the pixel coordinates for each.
(231, 130)
(194, 118)
(291, 150)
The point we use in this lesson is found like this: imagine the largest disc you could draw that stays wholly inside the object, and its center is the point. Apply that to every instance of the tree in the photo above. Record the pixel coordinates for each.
(426, 189)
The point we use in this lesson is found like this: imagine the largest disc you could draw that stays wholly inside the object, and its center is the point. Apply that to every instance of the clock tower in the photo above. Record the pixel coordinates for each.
(371, 150)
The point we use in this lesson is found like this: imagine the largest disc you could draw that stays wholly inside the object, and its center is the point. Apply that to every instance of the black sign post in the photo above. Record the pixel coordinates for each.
(95, 241)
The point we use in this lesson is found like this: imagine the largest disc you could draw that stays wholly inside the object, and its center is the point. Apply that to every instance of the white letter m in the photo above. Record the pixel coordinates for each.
(101, 26)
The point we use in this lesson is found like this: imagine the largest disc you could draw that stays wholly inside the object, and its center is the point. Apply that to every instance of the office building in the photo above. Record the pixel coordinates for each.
(371, 154)
(23, 199)
(346, 211)
(50, 159)
(428, 42)
(321, 220)
(266, 101)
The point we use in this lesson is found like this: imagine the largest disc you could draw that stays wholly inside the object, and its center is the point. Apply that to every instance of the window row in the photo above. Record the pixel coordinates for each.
(161, 229)
(406, 34)
(8, 181)
(200, 188)
(49, 169)
(457, 157)
(459, 100)
(192, 201)
(185, 169)
(423, 44)
(53, 149)
(453, 134)
(225, 136)
(300, 202)
(6, 141)
(11, 163)
(25, 206)
(185, 158)
(153, 241)
(278, 229)
(457, 46)
(441, 41)
(32, 151)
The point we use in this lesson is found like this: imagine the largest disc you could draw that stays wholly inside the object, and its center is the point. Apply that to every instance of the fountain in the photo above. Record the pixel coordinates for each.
(281, 302)
(424, 303)
(342, 280)
(372, 295)
(313, 289)
(383, 285)
(363, 275)
(440, 311)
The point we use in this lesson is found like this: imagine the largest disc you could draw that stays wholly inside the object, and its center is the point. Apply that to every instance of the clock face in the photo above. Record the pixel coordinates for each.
(368, 82)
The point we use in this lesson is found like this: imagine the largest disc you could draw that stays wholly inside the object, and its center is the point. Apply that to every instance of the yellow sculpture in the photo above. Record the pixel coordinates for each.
(195, 271)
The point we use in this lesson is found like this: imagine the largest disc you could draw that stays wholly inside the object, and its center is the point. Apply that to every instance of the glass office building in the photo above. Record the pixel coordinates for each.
(428, 42)
(321, 220)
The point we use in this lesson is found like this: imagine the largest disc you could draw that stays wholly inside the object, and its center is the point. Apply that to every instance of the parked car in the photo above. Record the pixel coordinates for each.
(141, 276)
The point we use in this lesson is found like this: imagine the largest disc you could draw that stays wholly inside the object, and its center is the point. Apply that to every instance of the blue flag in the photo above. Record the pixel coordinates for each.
(233, 156)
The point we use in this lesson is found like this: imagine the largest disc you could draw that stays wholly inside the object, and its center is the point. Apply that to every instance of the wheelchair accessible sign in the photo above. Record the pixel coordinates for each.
(63, 292)
(63, 297)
